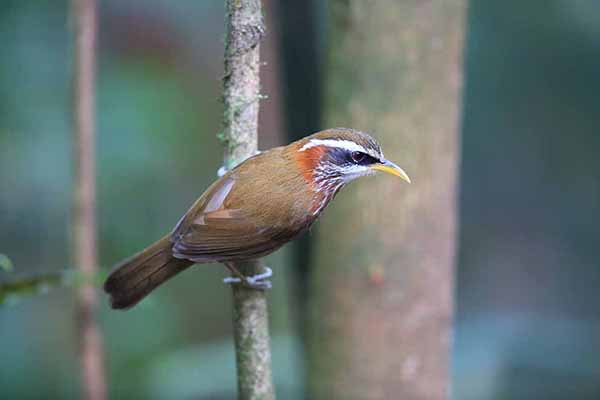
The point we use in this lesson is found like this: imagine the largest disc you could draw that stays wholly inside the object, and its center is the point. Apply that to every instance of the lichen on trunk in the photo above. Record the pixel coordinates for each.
(241, 97)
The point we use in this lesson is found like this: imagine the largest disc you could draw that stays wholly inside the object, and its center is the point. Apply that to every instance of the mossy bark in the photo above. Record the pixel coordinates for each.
(381, 288)
(251, 332)
(241, 96)
(241, 82)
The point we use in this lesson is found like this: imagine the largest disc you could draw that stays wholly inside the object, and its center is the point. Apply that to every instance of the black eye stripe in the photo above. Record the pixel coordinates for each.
(357, 156)
(342, 157)
(360, 158)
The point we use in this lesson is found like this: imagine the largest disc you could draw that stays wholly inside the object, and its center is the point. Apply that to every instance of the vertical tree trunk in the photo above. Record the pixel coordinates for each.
(383, 264)
(241, 96)
(84, 199)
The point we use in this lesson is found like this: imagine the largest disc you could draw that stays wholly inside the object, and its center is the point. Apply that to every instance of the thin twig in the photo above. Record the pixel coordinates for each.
(23, 286)
(18, 287)
(83, 229)
(241, 96)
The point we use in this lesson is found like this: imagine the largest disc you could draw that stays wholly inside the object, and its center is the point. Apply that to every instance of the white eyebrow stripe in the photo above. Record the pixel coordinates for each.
(340, 144)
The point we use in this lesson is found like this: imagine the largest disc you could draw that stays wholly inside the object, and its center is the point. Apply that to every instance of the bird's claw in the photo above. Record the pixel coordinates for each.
(257, 281)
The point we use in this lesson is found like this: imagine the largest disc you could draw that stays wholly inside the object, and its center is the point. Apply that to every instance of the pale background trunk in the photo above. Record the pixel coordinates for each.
(383, 262)
(84, 226)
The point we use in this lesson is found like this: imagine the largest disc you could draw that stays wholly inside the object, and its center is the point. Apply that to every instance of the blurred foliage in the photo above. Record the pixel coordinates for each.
(158, 107)
(527, 317)
(5, 263)
(528, 274)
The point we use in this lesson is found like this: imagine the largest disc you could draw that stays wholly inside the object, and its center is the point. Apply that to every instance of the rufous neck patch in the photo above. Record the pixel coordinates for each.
(308, 159)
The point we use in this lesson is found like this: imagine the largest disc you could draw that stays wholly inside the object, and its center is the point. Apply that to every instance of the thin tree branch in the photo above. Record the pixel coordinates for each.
(83, 228)
(17, 287)
(241, 96)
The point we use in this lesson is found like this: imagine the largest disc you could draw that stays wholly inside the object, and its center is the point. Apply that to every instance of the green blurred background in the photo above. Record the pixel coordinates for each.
(527, 323)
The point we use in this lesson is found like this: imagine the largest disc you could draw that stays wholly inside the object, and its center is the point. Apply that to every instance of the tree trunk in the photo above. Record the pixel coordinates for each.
(382, 282)
(83, 229)
(241, 96)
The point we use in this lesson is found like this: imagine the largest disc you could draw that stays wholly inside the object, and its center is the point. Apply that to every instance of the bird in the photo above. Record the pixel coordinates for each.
(252, 210)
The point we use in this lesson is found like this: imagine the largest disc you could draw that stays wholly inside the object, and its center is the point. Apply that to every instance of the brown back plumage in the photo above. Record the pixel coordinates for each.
(250, 212)
(234, 219)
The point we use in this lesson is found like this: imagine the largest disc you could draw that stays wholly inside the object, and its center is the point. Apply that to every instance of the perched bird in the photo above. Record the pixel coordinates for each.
(252, 210)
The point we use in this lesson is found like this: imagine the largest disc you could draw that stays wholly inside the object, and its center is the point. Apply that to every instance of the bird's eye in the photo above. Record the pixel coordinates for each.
(358, 156)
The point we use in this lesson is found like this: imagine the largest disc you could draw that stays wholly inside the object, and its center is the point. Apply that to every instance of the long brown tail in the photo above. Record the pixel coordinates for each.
(134, 278)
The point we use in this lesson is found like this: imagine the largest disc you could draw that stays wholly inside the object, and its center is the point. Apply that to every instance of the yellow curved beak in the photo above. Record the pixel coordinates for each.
(391, 168)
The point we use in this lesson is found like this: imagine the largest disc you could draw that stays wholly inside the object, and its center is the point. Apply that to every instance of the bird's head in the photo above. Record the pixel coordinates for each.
(334, 157)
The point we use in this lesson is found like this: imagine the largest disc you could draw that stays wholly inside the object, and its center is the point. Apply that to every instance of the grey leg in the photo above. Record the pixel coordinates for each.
(258, 281)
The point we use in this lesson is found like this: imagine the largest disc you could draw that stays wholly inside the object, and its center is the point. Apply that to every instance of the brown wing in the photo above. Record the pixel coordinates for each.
(234, 220)
(224, 240)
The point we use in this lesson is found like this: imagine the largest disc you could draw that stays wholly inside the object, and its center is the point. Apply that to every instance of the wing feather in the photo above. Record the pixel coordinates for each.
(223, 239)
(234, 219)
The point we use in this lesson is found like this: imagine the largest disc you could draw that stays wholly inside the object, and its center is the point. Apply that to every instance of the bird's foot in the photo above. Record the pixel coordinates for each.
(258, 281)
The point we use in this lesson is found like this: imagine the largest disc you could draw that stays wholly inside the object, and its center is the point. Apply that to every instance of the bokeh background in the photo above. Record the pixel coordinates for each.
(527, 323)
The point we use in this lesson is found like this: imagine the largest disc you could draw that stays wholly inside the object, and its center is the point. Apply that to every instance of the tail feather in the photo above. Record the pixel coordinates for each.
(134, 278)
